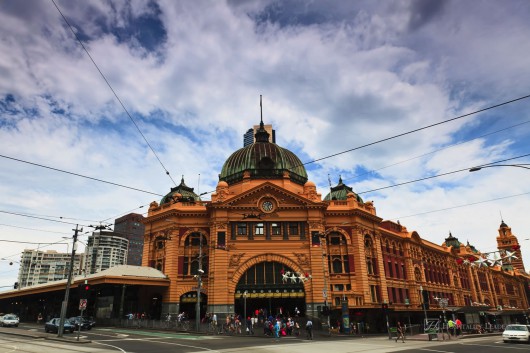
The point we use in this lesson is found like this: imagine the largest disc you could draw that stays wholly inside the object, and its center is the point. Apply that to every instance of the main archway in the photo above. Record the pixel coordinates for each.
(271, 288)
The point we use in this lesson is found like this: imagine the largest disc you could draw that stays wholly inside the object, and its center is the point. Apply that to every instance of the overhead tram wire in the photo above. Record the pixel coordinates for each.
(37, 230)
(418, 129)
(435, 151)
(439, 175)
(60, 217)
(35, 217)
(81, 175)
(463, 205)
(49, 244)
(113, 92)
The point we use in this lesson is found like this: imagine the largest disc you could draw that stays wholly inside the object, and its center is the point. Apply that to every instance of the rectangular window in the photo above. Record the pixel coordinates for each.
(315, 238)
(338, 287)
(276, 229)
(259, 229)
(293, 228)
(374, 293)
(336, 264)
(221, 239)
(241, 229)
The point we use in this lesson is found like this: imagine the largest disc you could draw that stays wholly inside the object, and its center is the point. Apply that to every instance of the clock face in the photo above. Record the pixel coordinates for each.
(267, 206)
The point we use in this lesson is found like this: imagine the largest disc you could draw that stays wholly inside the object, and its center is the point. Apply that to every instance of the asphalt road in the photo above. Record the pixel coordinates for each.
(105, 340)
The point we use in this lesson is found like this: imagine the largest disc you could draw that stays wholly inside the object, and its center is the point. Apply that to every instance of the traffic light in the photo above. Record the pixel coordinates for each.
(325, 310)
(15, 286)
(84, 290)
(384, 306)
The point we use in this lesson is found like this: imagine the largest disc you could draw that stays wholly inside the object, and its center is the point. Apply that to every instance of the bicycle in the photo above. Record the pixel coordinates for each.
(213, 328)
(183, 325)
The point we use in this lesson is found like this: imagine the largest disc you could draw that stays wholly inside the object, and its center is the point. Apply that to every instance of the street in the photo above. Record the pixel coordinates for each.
(103, 340)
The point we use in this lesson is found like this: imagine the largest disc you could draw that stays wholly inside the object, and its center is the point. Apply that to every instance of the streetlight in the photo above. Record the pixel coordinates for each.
(442, 303)
(245, 293)
(524, 165)
(325, 291)
(424, 309)
(200, 272)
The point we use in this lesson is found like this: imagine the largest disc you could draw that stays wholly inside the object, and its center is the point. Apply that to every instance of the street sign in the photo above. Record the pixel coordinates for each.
(324, 294)
(82, 304)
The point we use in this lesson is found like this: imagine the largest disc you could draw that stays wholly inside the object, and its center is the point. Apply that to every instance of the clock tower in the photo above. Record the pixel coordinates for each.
(508, 242)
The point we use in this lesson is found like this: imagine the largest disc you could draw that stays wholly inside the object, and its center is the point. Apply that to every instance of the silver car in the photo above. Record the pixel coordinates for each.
(9, 320)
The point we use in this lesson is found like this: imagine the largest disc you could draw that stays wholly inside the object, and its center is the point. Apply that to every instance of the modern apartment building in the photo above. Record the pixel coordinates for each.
(105, 249)
(37, 266)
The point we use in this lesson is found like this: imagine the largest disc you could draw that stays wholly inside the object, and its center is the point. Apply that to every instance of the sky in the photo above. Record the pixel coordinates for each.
(184, 79)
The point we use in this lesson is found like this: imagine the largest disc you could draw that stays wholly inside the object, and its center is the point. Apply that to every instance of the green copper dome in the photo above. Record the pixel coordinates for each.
(181, 192)
(263, 160)
(340, 192)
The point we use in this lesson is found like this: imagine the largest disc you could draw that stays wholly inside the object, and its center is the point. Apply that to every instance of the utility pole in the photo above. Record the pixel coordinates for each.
(64, 306)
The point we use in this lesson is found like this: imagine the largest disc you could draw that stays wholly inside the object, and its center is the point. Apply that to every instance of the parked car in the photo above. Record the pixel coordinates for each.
(53, 326)
(92, 321)
(9, 320)
(76, 320)
(516, 333)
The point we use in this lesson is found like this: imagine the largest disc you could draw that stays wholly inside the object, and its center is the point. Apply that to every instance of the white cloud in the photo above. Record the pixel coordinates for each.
(334, 76)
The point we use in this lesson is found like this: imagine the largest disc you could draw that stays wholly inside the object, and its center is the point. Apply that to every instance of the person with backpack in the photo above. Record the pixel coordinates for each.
(309, 329)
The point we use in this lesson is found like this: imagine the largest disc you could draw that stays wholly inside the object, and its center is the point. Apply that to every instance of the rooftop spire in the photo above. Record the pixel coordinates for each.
(261, 135)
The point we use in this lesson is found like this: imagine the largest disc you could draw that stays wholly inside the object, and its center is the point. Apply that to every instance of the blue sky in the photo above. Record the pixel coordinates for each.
(333, 75)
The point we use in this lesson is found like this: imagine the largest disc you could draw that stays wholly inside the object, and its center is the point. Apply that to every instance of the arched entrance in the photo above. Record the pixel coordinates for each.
(273, 287)
(188, 302)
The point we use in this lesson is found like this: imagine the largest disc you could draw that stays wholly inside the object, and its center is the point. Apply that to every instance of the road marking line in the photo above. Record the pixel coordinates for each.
(433, 350)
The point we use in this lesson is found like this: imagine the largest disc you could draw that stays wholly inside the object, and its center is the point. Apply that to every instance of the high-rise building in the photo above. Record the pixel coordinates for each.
(250, 136)
(131, 228)
(37, 266)
(104, 250)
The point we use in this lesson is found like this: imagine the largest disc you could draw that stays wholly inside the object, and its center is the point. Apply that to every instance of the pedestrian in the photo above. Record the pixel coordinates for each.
(309, 329)
(277, 330)
(458, 324)
(400, 332)
(451, 327)
(39, 318)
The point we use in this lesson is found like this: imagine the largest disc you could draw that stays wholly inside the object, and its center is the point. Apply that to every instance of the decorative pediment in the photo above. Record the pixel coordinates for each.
(282, 198)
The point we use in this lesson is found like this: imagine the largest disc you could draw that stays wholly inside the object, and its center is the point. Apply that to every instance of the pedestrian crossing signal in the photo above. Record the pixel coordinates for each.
(83, 290)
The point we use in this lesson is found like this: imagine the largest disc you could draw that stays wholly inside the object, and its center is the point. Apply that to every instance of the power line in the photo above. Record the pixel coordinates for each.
(113, 92)
(38, 230)
(81, 175)
(418, 129)
(28, 242)
(463, 205)
(29, 216)
(439, 175)
(435, 151)
(125, 213)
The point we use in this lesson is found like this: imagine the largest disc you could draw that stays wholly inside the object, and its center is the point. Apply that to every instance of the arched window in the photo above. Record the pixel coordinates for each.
(338, 259)
(369, 251)
(195, 250)
(417, 274)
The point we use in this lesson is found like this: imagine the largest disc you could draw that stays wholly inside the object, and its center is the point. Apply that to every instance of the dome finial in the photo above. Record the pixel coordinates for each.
(261, 135)
(261, 111)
